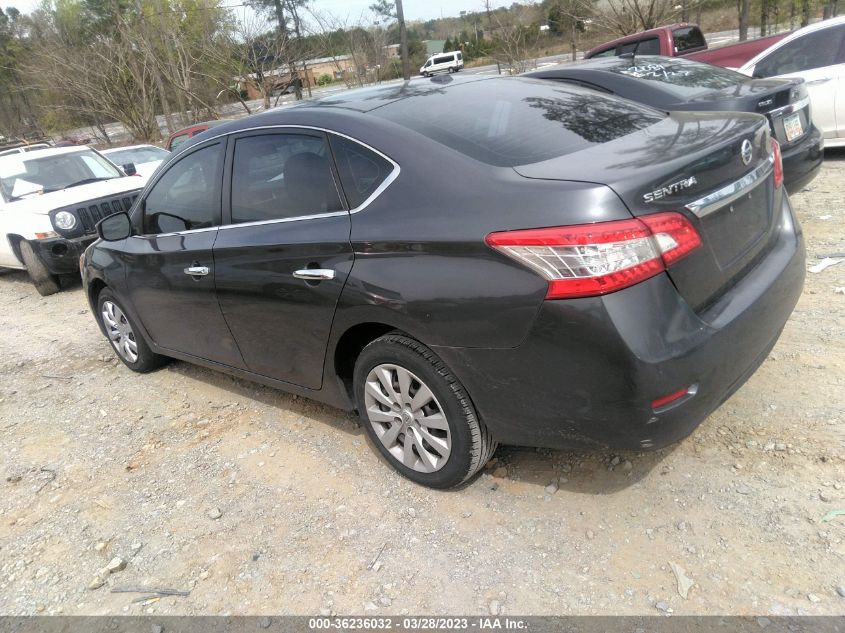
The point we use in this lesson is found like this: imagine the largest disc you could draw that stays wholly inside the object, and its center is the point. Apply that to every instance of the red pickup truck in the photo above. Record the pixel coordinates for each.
(684, 40)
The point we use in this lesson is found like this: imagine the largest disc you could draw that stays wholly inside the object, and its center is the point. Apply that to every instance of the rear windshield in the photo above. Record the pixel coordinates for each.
(688, 37)
(510, 122)
(682, 78)
(648, 46)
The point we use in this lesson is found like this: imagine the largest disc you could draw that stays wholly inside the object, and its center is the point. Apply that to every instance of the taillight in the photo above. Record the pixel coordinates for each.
(778, 163)
(595, 259)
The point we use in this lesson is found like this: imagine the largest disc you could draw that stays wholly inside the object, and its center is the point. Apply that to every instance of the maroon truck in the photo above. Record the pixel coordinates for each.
(683, 40)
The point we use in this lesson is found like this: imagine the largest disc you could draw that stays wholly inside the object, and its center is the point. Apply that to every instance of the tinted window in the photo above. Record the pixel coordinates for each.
(276, 176)
(610, 52)
(443, 60)
(508, 122)
(187, 196)
(687, 38)
(814, 50)
(361, 170)
(683, 78)
(650, 46)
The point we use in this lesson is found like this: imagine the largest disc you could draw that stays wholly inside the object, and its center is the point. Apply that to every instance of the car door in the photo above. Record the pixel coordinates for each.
(284, 255)
(818, 57)
(171, 283)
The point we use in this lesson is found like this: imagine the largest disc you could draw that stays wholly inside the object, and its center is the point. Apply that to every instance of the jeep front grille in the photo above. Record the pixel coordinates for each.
(90, 215)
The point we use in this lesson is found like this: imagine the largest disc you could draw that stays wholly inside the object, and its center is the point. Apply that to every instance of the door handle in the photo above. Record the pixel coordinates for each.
(197, 271)
(314, 274)
(820, 80)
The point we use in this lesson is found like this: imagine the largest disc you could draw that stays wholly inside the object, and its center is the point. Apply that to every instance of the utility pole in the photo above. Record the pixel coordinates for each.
(403, 39)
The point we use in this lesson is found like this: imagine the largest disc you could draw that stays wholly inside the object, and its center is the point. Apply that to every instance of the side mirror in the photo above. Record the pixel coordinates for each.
(129, 169)
(115, 227)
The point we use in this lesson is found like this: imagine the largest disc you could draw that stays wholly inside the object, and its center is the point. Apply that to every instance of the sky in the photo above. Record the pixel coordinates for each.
(353, 9)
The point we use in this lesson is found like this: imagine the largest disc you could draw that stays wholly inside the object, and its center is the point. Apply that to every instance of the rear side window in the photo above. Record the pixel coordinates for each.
(443, 60)
(610, 52)
(361, 170)
(513, 121)
(687, 38)
(187, 196)
(278, 176)
(648, 46)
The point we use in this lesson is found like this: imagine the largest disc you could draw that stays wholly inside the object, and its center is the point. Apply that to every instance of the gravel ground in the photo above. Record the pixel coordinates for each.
(258, 502)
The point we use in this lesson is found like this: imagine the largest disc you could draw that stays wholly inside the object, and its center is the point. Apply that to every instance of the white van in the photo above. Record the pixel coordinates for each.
(451, 62)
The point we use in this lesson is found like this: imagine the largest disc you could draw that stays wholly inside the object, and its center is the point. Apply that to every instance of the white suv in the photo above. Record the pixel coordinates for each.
(50, 203)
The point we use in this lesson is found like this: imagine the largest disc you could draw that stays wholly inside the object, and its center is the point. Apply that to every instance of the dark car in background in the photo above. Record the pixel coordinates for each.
(465, 262)
(681, 84)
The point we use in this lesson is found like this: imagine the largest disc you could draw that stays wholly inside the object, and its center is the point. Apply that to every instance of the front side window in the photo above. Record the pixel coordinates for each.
(361, 170)
(187, 196)
(279, 176)
(814, 50)
(21, 175)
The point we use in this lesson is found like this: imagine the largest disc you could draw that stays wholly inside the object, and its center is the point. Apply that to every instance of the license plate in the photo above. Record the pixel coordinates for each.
(792, 126)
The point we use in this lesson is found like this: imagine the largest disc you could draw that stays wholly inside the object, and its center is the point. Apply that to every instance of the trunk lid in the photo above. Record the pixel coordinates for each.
(783, 102)
(691, 163)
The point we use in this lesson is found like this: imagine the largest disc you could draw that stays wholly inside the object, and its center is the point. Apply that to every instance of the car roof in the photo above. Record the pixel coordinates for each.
(349, 112)
(812, 28)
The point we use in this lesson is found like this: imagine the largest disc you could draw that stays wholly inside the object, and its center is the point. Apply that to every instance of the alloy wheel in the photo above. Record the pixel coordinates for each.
(119, 331)
(407, 418)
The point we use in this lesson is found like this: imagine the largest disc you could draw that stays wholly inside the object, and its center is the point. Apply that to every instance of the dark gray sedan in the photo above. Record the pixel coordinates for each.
(672, 83)
(465, 263)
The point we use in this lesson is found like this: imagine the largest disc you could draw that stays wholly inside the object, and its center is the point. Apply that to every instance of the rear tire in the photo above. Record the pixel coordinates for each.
(124, 336)
(417, 413)
(44, 281)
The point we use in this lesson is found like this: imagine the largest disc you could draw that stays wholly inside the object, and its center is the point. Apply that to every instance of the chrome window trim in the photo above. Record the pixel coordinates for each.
(729, 193)
(394, 174)
(152, 236)
(792, 107)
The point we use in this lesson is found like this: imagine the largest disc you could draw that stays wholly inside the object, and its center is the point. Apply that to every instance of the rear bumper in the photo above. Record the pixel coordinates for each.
(61, 256)
(590, 369)
(803, 161)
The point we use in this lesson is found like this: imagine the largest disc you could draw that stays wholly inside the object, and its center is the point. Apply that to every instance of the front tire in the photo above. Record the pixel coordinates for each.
(130, 346)
(418, 414)
(44, 281)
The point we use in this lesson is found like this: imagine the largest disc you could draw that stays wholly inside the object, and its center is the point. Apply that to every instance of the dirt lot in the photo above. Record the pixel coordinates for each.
(257, 502)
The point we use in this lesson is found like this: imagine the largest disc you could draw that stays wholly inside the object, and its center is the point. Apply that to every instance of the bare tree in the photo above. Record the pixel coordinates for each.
(515, 40)
(630, 16)
(742, 8)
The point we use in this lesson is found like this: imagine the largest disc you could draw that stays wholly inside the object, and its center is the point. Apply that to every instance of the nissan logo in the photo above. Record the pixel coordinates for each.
(747, 152)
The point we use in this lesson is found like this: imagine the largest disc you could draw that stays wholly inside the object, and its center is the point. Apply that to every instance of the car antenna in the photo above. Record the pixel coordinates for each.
(633, 54)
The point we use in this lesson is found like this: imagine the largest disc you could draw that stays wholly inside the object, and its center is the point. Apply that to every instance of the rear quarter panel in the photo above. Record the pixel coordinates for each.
(421, 262)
